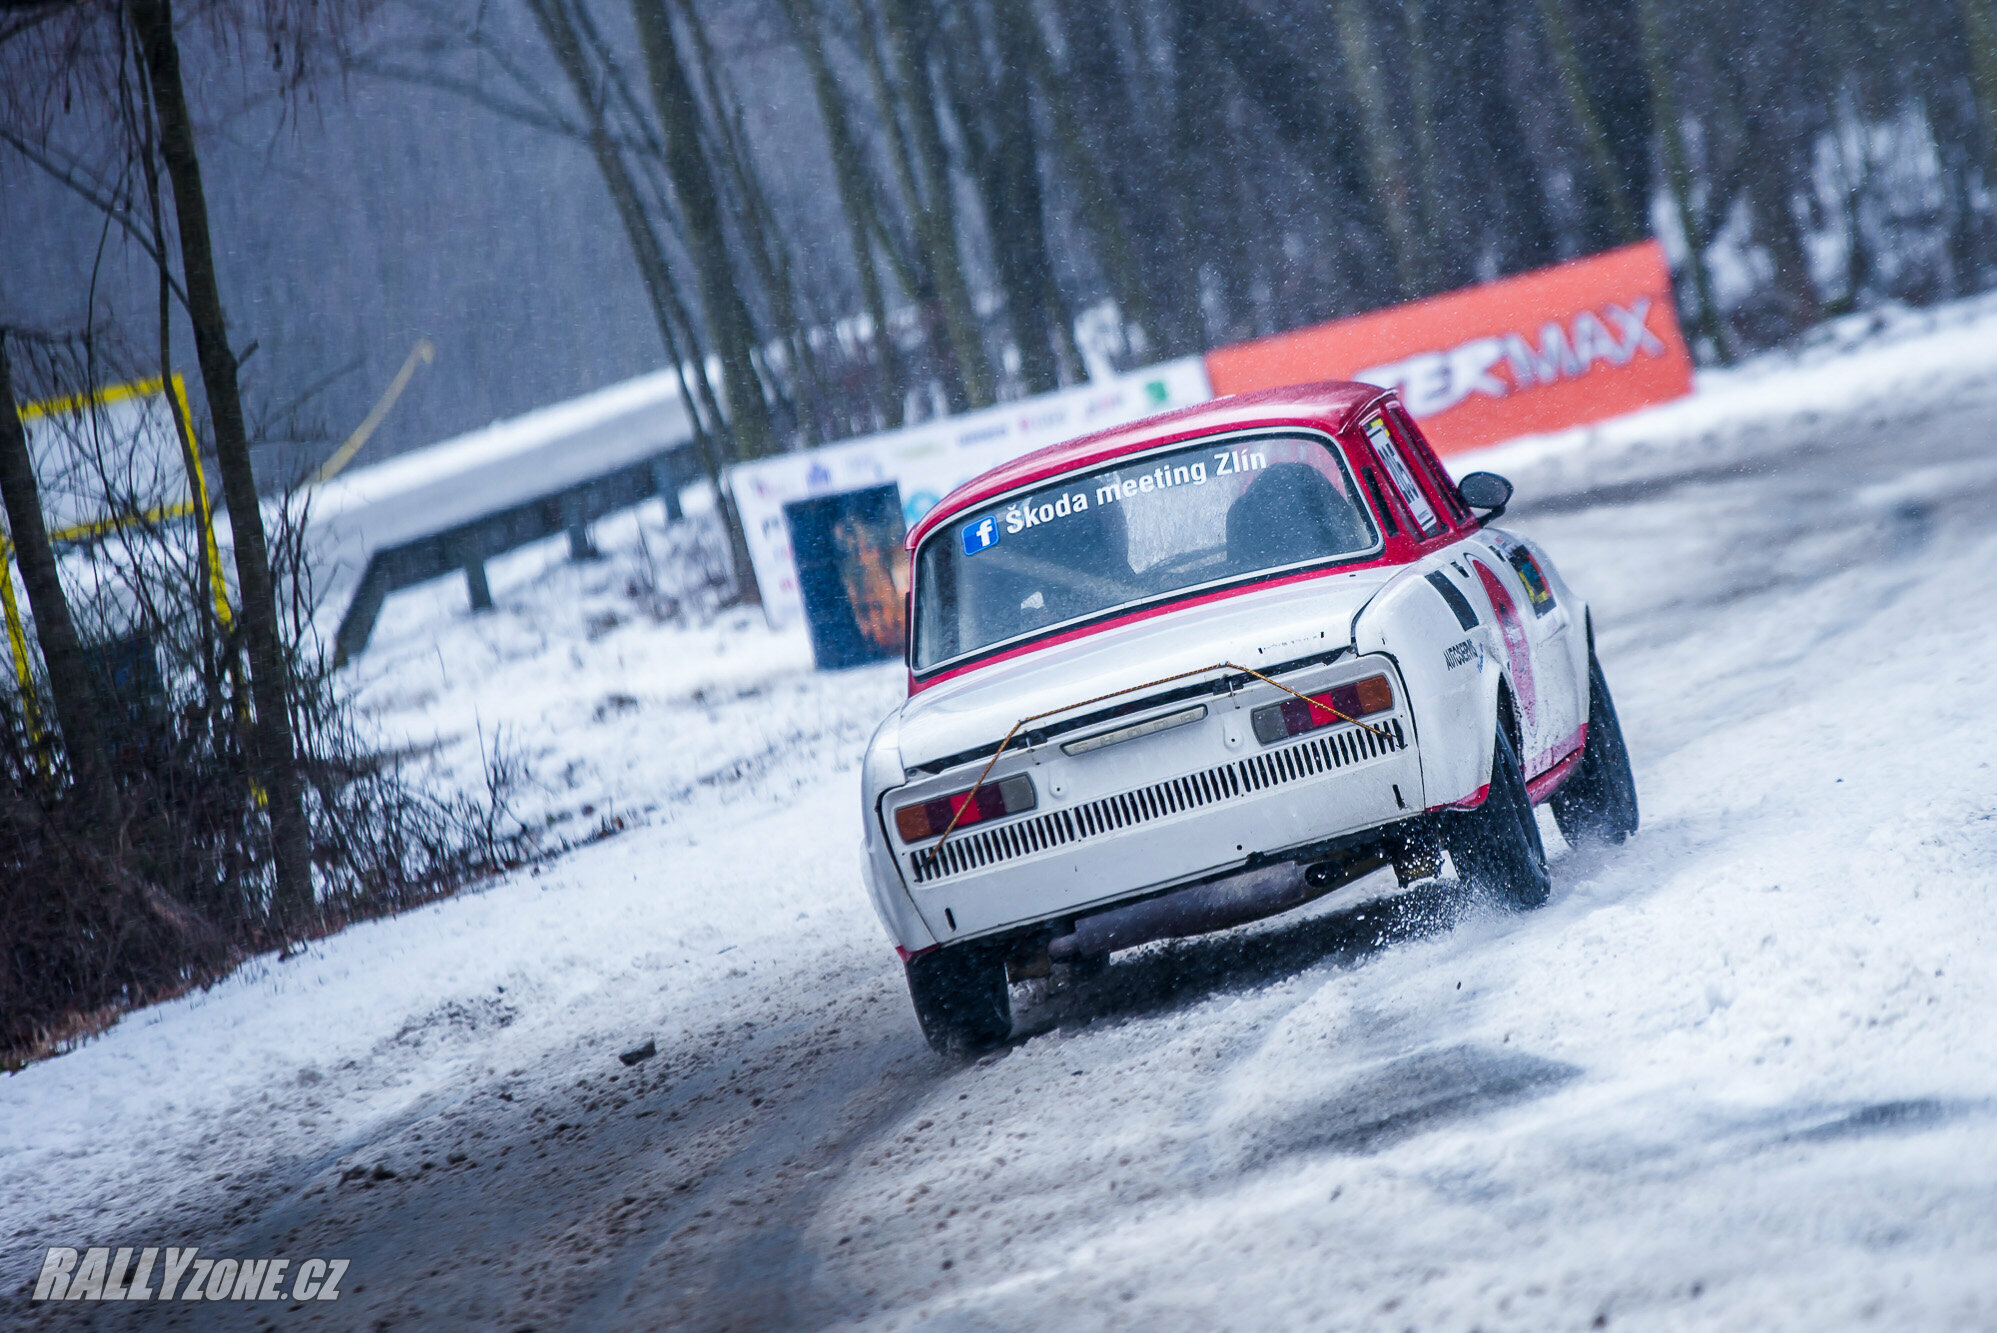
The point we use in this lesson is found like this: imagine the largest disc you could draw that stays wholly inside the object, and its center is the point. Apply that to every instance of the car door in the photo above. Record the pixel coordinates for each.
(1531, 620)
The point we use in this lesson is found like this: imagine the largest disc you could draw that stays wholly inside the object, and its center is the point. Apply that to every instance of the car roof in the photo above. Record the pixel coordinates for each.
(1329, 405)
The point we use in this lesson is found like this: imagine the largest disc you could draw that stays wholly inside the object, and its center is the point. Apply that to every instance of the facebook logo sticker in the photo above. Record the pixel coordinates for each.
(980, 535)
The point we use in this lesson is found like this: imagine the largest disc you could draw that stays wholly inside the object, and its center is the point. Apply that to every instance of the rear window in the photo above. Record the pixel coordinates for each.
(1403, 477)
(1148, 529)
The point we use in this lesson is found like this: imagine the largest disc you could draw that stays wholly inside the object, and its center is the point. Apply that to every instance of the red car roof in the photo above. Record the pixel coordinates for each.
(1329, 405)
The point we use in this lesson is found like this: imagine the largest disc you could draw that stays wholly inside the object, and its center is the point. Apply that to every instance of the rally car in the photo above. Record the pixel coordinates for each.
(1202, 668)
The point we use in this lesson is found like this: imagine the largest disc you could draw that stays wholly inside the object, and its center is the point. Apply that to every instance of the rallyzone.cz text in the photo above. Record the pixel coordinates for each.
(126, 1274)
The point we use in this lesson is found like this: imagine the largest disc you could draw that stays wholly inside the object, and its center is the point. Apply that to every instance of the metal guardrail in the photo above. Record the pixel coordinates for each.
(465, 547)
(451, 507)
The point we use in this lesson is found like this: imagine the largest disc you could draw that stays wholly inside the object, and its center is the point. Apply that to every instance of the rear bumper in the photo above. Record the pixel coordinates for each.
(1077, 857)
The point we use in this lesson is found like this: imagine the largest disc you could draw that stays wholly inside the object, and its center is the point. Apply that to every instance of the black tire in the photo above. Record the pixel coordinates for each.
(1496, 847)
(1598, 803)
(961, 998)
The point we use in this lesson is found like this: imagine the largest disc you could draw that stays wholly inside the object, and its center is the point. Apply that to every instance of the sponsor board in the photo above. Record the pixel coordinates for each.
(853, 574)
(1561, 346)
(120, 456)
(928, 461)
(122, 445)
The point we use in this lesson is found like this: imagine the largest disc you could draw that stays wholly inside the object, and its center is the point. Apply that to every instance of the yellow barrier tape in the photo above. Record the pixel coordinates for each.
(17, 640)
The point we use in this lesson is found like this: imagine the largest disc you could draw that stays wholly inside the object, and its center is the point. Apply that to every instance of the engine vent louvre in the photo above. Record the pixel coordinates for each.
(1257, 772)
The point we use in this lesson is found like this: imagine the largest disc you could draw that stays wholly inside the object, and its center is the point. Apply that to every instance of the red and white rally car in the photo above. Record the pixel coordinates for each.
(1202, 668)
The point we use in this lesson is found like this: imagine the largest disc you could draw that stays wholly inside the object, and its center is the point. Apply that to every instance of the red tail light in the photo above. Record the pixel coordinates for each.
(1293, 717)
(928, 819)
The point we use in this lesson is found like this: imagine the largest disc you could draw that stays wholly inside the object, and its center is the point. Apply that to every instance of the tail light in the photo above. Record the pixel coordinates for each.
(928, 819)
(1293, 717)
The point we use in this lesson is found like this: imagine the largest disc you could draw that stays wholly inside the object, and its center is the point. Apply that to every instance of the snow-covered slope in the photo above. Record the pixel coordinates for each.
(1738, 1073)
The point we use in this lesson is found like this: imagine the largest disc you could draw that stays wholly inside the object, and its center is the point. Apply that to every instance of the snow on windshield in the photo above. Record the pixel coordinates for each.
(1152, 527)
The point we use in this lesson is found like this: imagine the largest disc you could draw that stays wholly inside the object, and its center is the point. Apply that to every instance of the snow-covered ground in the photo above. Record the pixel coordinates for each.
(1738, 1073)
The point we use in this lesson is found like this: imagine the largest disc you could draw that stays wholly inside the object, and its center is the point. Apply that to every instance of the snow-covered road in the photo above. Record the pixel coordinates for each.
(1738, 1073)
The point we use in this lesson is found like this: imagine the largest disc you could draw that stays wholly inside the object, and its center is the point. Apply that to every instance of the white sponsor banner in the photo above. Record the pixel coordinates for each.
(929, 461)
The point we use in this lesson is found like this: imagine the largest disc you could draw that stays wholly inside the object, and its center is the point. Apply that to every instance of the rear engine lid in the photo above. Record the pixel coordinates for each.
(1260, 630)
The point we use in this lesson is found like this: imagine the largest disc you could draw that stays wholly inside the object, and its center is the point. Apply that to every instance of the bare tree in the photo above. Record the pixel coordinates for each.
(276, 767)
(856, 200)
(910, 30)
(698, 194)
(71, 690)
(1678, 178)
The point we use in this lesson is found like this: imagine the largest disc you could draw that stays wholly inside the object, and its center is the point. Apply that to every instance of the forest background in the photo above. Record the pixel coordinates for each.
(559, 194)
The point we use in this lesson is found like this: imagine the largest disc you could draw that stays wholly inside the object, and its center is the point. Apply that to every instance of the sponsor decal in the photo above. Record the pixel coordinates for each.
(983, 434)
(981, 534)
(932, 459)
(1537, 590)
(1038, 509)
(1517, 652)
(1462, 652)
(1403, 479)
(1466, 614)
(168, 1273)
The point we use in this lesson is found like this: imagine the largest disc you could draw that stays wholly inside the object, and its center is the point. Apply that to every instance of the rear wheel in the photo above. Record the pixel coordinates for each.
(1496, 847)
(1598, 803)
(960, 998)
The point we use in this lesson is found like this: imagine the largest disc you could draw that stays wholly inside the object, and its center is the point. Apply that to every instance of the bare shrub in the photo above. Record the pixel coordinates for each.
(183, 888)
(689, 576)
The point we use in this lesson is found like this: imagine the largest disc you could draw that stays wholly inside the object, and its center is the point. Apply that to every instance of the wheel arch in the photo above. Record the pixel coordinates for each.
(1507, 715)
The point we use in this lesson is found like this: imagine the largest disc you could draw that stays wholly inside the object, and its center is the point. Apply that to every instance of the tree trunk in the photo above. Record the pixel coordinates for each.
(856, 203)
(1678, 171)
(1092, 188)
(1573, 83)
(730, 328)
(1979, 21)
(1445, 259)
(763, 241)
(1387, 172)
(275, 759)
(1002, 156)
(1767, 153)
(935, 207)
(653, 272)
(1520, 228)
(1122, 174)
(71, 690)
(1304, 107)
(916, 272)
(1200, 184)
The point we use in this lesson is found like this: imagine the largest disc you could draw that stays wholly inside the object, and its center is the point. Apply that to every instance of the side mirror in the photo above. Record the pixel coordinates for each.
(1485, 490)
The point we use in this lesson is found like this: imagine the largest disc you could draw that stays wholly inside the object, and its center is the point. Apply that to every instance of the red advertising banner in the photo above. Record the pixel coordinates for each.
(1561, 346)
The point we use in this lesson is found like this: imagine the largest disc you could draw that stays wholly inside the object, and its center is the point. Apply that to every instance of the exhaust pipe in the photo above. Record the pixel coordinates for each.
(1246, 897)
(1328, 875)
